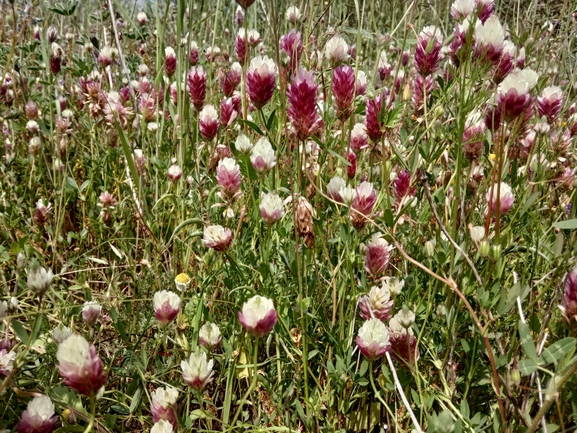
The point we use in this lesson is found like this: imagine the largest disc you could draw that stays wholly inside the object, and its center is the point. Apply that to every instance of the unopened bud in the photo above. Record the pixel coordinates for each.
(484, 248)
(430, 248)
(496, 252)
(515, 376)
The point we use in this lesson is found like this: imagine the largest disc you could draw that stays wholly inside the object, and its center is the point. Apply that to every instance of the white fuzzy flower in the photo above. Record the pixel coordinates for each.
(243, 144)
(162, 426)
(165, 397)
(61, 333)
(263, 156)
(336, 50)
(293, 15)
(264, 65)
(209, 335)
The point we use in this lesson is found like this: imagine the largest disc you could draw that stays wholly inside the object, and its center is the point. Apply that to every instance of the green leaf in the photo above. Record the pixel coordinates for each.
(36, 330)
(135, 400)
(20, 331)
(558, 350)
(566, 225)
(527, 341)
(388, 215)
(527, 366)
(252, 126)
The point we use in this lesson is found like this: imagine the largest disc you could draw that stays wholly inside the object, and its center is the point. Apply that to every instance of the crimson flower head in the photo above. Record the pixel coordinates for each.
(194, 53)
(513, 95)
(170, 61)
(232, 79)
(373, 339)
(373, 119)
(359, 138)
(227, 112)
(401, 185)
(489, 40)
(39, 416)
(428, 50)
(164, 405)
(228, 176)
(166, 306)
(197, 86)
(485, 9)
(569, 302)
(260, 80)
(363, 204)
(208, 122)
(549, 103)
(344, 90)
(302, 110)
(377, 254)
(80, 365)
(241, 46)
(292, 45)
(258, 316)
(352, 167)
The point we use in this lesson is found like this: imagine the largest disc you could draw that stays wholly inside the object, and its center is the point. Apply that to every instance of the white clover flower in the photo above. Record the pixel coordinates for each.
(209, 335)
(39, 279)
(336, 50)
(293, 15)
(243, 144)
(162, 426)
(165, 397)
(263, 156)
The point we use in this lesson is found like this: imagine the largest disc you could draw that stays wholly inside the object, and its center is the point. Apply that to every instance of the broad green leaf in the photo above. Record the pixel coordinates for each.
(135, 400)
(20, 331)
(527, 341)
(558, 350)
(566, 225)
(527, 366)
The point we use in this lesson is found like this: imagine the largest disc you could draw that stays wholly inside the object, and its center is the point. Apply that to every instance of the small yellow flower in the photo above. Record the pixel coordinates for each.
(492, 157)
(182, 281)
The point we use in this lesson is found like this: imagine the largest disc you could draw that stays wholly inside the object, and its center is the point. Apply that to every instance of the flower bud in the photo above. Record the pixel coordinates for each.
(197, 371)
(271, 208)
(484, 249)
(61, 333)
(91, 312)
(162, 426)
(39, 280)
(166, 306)
(263, 157)
(209, 335)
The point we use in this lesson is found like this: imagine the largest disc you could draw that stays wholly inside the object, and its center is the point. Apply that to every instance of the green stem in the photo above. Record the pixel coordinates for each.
(549, 397)
(378, 394)
(92, 414)
(252, 384)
